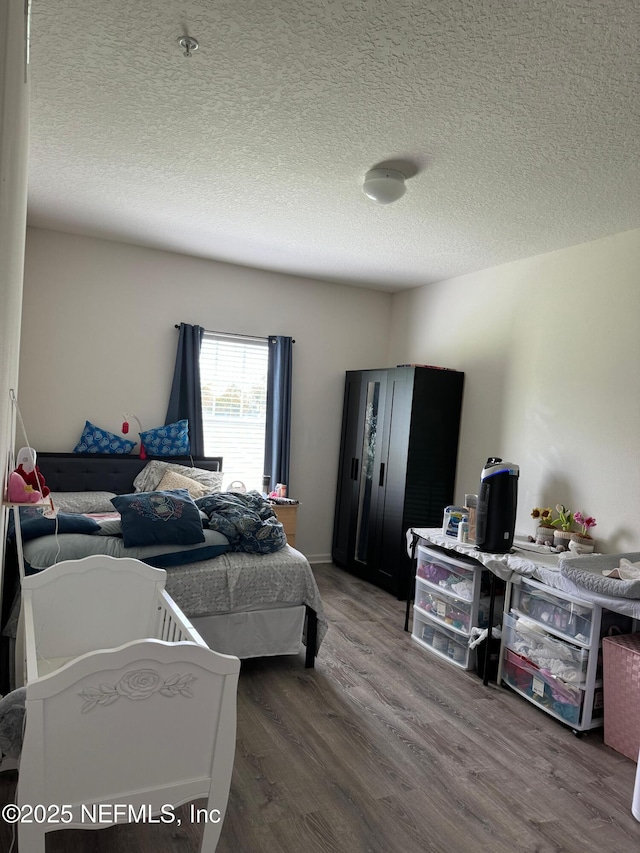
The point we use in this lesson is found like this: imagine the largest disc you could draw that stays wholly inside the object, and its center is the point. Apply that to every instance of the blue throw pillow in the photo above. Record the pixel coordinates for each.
(33, 524)
(169, 440)
(96, 440)
(159, 518)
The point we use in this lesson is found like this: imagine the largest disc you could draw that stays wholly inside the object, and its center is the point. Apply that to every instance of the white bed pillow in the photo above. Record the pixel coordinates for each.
(83, 501)
(149, 478)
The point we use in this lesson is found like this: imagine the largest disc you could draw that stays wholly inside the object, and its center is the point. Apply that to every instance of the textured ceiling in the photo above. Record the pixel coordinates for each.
(518, 122)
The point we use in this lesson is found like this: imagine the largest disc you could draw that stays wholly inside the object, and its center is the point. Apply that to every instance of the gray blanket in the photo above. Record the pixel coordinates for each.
(11, 722)
(586, 571)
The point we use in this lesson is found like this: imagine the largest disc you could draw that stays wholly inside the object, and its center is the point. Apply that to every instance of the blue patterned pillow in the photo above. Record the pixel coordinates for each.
(159, 518)
(96, 440)
(169, 440)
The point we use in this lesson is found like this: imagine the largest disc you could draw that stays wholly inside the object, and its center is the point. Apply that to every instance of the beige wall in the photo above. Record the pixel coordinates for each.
(549, 345)
(98, 339)
(551, 351)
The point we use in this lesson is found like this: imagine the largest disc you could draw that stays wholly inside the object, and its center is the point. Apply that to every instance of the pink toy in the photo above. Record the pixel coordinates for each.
(21, 492)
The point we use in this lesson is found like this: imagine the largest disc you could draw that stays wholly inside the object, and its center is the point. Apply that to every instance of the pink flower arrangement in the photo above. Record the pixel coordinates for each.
(585, 523)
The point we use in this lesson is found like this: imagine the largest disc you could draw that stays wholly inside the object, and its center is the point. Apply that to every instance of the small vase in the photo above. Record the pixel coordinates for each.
(583, 544)
(561, 539)
(544, 535)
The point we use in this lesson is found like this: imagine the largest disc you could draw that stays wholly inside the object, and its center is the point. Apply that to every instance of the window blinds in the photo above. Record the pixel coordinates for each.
(233, 378)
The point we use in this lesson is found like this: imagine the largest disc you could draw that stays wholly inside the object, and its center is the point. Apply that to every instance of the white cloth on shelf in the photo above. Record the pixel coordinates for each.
(626, 571)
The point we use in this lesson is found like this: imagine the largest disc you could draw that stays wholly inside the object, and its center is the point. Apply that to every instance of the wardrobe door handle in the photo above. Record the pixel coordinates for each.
(381, 481)
(353, 459)
(355, 468)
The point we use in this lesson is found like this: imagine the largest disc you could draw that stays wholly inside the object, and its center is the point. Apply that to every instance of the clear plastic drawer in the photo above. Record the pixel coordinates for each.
(453, 612)
(563, 700)
(451, 576)
(550, 655)
(558, 615)
(443, 642)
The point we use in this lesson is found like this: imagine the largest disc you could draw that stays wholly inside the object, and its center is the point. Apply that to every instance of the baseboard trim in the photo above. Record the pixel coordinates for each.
(319, 558)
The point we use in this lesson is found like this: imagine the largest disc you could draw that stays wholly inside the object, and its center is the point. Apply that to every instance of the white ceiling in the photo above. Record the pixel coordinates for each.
(517, 121)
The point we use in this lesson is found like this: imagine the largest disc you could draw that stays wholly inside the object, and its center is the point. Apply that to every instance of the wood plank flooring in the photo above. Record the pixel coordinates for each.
(385, 749)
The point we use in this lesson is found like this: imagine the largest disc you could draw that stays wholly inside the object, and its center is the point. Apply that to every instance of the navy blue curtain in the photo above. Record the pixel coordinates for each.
(185, 400)
(278, 431)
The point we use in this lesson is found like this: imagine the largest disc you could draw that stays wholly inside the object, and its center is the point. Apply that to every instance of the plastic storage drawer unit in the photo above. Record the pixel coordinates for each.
(450, 601)
(621, 664)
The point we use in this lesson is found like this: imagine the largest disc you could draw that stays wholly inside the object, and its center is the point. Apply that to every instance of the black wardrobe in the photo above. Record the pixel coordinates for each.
(400, 429)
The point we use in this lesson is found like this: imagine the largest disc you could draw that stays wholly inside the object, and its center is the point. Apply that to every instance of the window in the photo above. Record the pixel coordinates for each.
(233, 379)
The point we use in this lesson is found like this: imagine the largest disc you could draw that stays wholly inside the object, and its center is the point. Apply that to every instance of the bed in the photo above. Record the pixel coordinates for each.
(112, 665)
(243, 604)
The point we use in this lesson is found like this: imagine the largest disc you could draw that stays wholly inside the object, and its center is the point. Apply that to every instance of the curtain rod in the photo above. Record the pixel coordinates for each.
(235, 335)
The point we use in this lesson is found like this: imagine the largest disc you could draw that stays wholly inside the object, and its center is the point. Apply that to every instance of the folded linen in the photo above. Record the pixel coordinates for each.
(626, 571)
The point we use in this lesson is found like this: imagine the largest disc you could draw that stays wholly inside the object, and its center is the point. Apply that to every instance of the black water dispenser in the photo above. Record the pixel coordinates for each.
(497, 503)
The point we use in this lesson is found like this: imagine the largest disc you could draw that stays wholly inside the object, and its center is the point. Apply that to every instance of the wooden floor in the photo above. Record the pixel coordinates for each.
(383, 748)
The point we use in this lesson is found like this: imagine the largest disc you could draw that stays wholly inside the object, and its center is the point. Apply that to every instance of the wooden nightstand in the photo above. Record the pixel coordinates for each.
(287, 516)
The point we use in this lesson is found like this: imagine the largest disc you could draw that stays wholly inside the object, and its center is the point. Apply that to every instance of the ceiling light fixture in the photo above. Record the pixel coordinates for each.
(189, 44)
(384, 185)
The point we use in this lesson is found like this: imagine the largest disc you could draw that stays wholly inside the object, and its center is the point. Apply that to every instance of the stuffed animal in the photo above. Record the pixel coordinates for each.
(20, 492)
(34, 479)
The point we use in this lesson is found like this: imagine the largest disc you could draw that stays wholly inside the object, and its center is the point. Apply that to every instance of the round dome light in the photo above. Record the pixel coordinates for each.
(384, 185)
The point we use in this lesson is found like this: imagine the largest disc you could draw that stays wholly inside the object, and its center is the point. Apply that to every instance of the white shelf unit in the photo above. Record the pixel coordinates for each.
(448, 604)
(551, 651)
